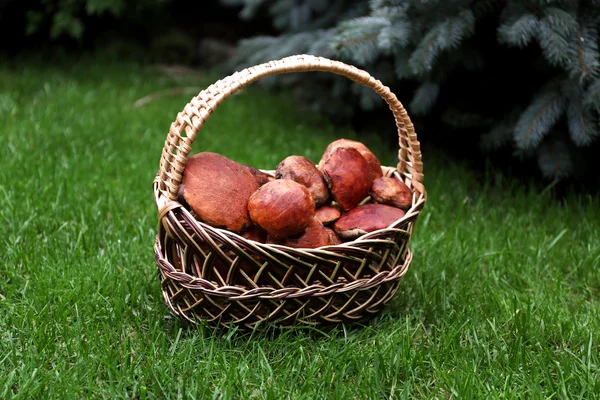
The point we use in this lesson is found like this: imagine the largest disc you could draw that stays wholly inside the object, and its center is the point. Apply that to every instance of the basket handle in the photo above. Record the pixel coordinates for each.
(183, 131)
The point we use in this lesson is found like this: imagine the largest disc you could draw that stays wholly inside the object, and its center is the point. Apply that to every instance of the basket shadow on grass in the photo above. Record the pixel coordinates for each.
(365, 330)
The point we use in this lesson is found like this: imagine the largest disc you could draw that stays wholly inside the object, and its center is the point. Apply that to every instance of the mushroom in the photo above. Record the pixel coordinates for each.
(328, 214)
(333, 237)
(366, 218)
(372, 161)
(282, 208)
(315, 235)
(387, 190)
(260, 177)
(302, 170)
(255, 233)
(180, 197)
(217, 189)
(347, 175)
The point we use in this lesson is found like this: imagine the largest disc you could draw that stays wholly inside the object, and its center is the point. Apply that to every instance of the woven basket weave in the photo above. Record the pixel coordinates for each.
(219, 278)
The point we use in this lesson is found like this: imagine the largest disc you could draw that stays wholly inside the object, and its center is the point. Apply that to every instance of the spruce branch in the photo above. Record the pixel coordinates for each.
(401, 66)
(484, 7)
(260, 49)
(321, 45)
(561, 21)
(554, 159)
(591, 99)
(582, 126)
(257, 50)
(584, 49)
(394, 37)
(392, 10)
(537, 120)
(519, 31)
(497, 137)
(294, 16)
(357, 38)
(250, 7)
(424, 98)
(501, 132)
(379, 4)
(554, 31)
(447, 34)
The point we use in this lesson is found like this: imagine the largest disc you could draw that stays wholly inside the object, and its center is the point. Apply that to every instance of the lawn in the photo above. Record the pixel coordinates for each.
(502, 299)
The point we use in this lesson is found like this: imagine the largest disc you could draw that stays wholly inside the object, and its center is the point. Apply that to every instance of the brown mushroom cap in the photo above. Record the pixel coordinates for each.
(282, 208)
(302, 170)
(274, 240)
(217, 189)
(387, 190)
(372, 161)
(315, 235)
(347, 175)
(255, 233)
(328, 214)
(366, 218)
(260, 177)
(180, 196)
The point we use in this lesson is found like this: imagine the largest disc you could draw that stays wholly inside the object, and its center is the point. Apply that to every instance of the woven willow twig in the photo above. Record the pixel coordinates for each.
(218, 277)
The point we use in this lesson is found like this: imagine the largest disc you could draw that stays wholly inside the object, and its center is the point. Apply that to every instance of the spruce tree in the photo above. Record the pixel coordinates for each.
(427, 41)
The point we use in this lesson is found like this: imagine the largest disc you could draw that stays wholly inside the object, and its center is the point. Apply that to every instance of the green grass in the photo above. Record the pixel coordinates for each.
(502, 299)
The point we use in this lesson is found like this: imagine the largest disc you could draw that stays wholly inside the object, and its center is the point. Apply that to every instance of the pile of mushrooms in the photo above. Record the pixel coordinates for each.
(302, 205)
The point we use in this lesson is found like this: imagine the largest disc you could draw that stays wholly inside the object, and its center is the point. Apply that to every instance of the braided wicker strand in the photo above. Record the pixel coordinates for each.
(219, 278)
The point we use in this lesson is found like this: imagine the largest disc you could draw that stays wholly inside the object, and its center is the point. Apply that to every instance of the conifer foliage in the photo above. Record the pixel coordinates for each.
(425, 42)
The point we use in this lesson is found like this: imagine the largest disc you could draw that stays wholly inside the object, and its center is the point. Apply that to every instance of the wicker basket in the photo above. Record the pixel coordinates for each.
(217, 277)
